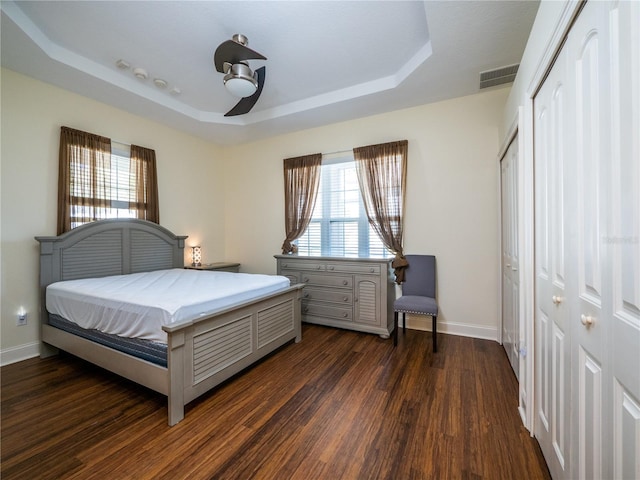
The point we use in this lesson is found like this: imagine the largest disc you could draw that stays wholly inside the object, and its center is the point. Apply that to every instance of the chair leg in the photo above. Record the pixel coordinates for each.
(404, 322)
(395, 328)
(434, 323)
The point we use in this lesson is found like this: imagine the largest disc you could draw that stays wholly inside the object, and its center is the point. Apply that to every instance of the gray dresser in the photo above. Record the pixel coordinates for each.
(351, 293)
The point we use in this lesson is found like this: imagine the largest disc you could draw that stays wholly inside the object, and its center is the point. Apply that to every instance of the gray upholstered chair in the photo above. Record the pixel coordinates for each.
(418, 294)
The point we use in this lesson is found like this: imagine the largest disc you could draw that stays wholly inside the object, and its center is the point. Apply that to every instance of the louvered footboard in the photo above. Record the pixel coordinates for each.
(215, 348)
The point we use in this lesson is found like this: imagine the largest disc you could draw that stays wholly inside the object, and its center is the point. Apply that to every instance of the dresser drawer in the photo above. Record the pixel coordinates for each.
(327, 280)
(295, 264)
(328, 311)
(372, 268)
(335, 296)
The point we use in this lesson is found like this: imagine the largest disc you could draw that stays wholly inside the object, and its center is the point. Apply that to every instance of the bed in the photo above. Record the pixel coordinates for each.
(200, 352)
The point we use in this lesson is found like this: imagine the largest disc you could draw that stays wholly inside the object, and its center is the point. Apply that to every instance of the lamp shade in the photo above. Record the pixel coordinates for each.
(196, 256)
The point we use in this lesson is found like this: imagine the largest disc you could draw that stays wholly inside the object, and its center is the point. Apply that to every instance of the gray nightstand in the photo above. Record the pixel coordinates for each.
(218, 266)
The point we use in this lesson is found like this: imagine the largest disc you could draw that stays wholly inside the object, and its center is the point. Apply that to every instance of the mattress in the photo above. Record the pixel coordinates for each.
(140, 304)
(153, 352)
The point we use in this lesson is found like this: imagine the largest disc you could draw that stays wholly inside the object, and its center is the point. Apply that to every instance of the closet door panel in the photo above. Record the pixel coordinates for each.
(591, 143)
(590, 380)
(542, 269)
(515, 259)
(623, 238)
(553, 364)
(543, 387)
(510, 262)
(589, 68)
(626, 459)
(505, 238)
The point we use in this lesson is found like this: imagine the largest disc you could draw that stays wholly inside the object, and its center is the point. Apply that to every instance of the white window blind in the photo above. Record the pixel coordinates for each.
(339, 225)
(116, 195)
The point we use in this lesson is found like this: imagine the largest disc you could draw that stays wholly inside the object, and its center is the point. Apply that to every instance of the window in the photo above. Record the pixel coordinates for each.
(101, 179)
(339, 225)
(113, 197)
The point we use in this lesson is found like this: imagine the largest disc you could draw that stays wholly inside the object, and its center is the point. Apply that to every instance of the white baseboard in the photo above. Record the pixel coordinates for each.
(19, 353)
(30, 350)
(423, 323)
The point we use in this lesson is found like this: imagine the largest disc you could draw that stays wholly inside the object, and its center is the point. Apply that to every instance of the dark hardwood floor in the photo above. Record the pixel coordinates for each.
(337, 405)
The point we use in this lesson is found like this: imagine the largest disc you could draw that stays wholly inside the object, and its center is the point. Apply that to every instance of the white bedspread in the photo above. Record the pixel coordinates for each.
(138, 305)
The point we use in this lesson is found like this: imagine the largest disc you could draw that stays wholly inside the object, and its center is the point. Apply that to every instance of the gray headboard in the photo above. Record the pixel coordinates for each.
(107, 247)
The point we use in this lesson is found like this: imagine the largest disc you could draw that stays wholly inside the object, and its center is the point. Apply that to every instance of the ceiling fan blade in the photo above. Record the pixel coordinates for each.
(233, 52)
(247, 103)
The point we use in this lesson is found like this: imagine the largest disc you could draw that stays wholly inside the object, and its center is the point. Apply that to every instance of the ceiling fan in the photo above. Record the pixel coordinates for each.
(231, 58)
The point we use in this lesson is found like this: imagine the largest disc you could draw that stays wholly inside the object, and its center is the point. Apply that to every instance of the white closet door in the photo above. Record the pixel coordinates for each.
(606, 50)
(622, 241)
(587, 163)
(588, 204)
(553, 365)
(510, 279)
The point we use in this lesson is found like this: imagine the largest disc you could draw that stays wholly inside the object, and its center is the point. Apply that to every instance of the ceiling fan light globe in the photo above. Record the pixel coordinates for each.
(240, 81)
(240, 87)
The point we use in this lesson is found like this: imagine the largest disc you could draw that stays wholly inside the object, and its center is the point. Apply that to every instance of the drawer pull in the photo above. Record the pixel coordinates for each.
(372, 270)
(306, 279)
(345, 314)
(344, 282)
(318, 267)
(306, 309)
(285, 265)
(306, 295)
(331, 267)
(344, 299)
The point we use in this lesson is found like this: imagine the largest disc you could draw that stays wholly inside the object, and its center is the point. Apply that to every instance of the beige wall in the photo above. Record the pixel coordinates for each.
(452, 197)
(230, 200)
(189, 176)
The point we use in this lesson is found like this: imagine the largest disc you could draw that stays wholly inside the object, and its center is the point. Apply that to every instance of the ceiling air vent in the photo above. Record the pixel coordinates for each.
(501, 75)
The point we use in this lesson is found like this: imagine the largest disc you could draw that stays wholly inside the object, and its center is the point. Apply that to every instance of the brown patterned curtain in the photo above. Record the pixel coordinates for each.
(143, 181)
(301, 182)
(382, 173)
(83, 187)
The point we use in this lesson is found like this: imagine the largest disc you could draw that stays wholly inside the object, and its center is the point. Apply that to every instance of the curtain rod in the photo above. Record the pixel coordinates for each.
(341, 152)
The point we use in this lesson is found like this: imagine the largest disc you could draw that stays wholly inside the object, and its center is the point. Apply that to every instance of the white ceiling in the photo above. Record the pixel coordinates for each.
(327, 61)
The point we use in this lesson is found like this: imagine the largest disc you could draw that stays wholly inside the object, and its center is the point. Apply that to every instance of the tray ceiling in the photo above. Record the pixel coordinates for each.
(327, 61)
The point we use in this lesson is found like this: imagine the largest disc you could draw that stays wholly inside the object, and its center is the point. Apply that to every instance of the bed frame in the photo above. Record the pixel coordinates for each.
(201, 353)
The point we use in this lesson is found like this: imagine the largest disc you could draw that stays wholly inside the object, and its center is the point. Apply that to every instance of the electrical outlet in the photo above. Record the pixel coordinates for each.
(22, 319)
